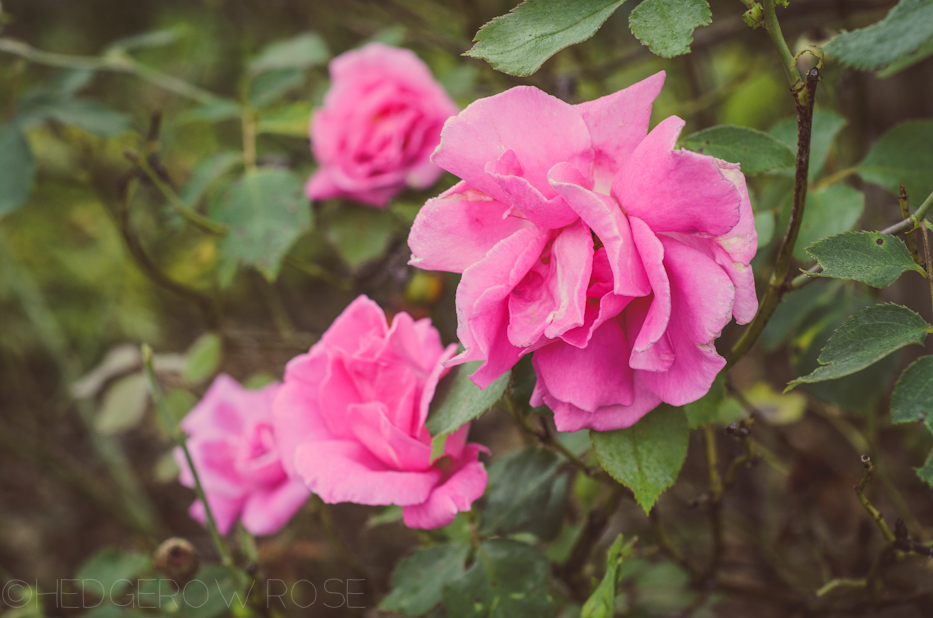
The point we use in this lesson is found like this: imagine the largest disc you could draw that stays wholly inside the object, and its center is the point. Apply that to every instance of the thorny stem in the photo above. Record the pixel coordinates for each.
(777, 38)
(181, 441)
(905, 214)
(907, 225)
(777, 286)
(117, 63)
(929, 263)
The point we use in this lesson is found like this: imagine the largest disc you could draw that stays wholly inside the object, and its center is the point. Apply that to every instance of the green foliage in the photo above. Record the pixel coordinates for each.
(866, 338)
(908, 26)
(113, 569)
(830, 210)
(206, 174)
(666, 26)
(535, 30)
(754, 150)
(601, 603)
(647, 456)
(124, 405)
(706, 409)
(270, 86)
(266, 211)
(289, 119)
(203, 358)
(912, 399)
(418, 580)
(304, 51)
(359, 233)
(17, 169)
(525, 494)
(902, 156)
(458, 401)
(508, 579)
(870, 257)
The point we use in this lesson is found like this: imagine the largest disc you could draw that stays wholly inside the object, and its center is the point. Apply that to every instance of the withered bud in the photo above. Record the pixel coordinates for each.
(177, 559)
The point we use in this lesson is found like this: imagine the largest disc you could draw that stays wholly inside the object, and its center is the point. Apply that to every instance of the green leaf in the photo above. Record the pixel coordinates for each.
(755, 151)
(535, 30)
(270, 86)
(706, 409)
(301, 52)
(647, 456)
(865, 338)
(903, 155)
(418, 580)
(215, 111)
(912, 399)
(291, 119)
(776, 408)
(826, 126)
(830, 210)
(925, 472)
(459, 401)
(17, 169)
(905, 62)
(508, 579)
(666, 26)
(601, 603)
(203, 358)
(153, 38)
(207, 172)
(360, 233)
(908, 26)
(266, 210)
(124, 404)
(221, 597)
(764, 227)
(109, 567)
(521, 491)
(870, 257)
(89, 115)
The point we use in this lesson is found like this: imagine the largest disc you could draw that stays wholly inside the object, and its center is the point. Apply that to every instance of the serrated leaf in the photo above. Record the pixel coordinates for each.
(825, 128)
(459, 401)
(418, 580)
(520, 42)
(360, 234)
(206, 173)
(508, 579)
(124, 405)
(523, 486)
(830, 210)
(203, 358)
(666, 26)
(905, 62)
(17, 169)
(754, 150)
(903, 155)
(706, 409)
(301, 52)
(109, 567)
(648, 456)
(266, 211)
(870, 257)
(905, 28)
(912, 399)
(865, 338)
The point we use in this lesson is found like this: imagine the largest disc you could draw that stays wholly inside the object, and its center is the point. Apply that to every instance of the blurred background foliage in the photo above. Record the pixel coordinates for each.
(114, 170)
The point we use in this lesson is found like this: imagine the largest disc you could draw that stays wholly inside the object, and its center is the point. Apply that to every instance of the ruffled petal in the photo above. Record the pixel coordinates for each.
(456, 494)
(676, 190)
(395, 448)
(267, 511)
(457, 229)
(658, 315)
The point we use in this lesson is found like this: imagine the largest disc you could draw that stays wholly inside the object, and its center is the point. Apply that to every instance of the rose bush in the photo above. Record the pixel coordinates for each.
(230, 438)
(380, 122)
(350, 419)
(613, 257)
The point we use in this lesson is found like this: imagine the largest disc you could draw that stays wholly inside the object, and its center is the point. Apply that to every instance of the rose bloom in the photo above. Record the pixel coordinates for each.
(611, 256)
(233, 448)
(381, 121)
(350, 418)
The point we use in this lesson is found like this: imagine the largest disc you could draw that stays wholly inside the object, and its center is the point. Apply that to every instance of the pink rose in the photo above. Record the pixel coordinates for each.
(584, 239)
(231, 441)
(381, 121)
(350, 419)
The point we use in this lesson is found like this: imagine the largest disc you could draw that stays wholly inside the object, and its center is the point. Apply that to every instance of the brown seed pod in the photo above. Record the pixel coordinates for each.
(177, 559)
